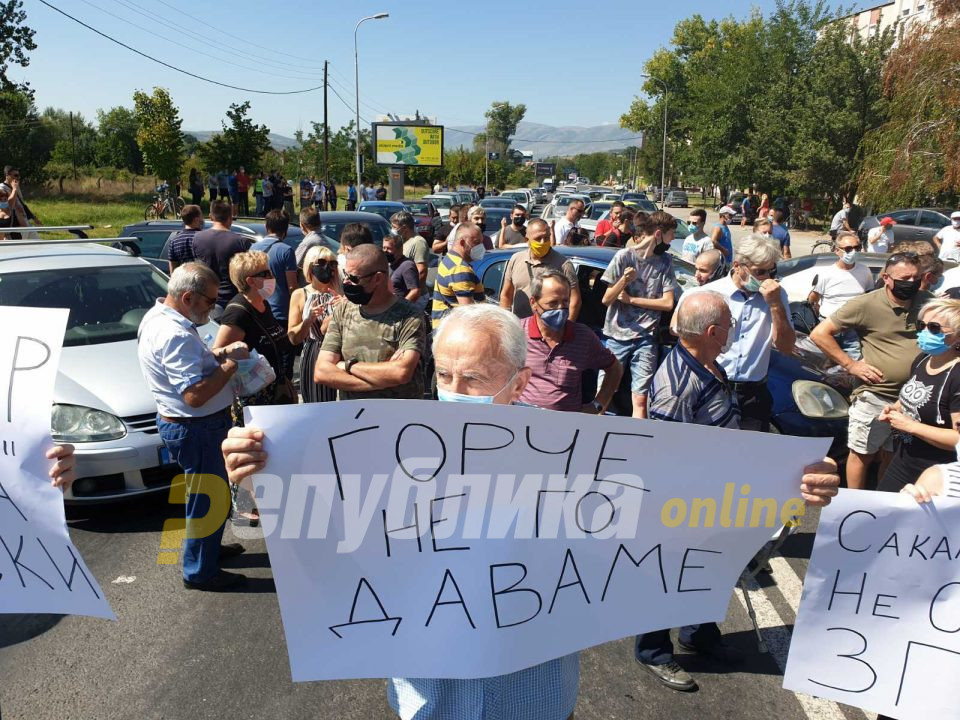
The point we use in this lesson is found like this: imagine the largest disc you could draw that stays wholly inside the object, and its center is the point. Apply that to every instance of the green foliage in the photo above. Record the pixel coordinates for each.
(502, 121)
(25, 139)
(16, 40)
(158, 134)
(76, 141)
(241, 143)
(116, 142)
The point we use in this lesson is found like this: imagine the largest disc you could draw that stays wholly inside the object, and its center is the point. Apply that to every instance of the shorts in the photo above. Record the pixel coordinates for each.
(865, 434)
(640, 356)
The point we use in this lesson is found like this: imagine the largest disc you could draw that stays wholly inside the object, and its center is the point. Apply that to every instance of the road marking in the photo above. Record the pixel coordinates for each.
(124, 580)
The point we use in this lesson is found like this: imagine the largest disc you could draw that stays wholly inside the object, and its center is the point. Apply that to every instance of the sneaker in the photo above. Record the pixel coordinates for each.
(229, 550)
(720, 652)
(218, 583)
(672, 676)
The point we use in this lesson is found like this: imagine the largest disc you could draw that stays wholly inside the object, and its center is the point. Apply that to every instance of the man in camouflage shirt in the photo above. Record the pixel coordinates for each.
(374, 343)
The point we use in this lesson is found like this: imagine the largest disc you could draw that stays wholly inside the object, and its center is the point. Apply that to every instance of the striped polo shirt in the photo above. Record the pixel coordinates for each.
(455, 279)
(951, 479)
(685, 391)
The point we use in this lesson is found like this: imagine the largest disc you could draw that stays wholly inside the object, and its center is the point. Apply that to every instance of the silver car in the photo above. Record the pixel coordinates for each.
(101, 401)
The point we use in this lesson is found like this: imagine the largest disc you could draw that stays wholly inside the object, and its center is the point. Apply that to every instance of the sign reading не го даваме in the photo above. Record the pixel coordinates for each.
(40, 569)
(426, 539)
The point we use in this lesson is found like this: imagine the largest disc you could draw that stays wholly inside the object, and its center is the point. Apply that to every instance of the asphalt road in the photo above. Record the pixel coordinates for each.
(179, 654)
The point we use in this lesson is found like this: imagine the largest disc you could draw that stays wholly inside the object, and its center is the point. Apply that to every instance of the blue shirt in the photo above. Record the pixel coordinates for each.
(181, 246)
(352, 193)
(685, 391)
(781, 235)
(543, 692)
(280, 260)
(726, 241)
(748, 359)
(172, 359)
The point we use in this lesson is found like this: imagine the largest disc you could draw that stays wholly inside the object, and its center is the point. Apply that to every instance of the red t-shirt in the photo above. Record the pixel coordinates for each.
(603, 227)
(243, 182)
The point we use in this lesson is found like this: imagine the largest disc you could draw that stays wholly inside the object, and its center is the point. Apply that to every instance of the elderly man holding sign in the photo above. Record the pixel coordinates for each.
(480, 353)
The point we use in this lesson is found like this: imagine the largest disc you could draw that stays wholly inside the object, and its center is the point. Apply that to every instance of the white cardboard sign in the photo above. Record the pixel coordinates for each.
(425, 539)
(40, 569)
(879, 620)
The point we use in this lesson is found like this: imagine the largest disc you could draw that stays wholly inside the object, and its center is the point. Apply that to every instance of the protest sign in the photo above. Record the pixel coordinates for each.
(879, 620)
(425, 539)
(40, 569)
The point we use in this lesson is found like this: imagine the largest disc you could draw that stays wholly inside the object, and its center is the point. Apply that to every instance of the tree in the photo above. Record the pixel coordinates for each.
(240, 143)
(16, 40)
(116, 144)
(502, 121)
(158, 134)
(26, 140)
(76, 139)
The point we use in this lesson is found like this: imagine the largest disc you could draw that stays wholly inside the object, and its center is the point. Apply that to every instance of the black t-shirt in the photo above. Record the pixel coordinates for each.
(261, 331)
(929, 399)
(214, 248)
(404, 278)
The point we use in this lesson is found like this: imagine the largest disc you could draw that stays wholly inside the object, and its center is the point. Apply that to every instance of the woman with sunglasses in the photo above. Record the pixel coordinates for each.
(310, 309)
(924, 418)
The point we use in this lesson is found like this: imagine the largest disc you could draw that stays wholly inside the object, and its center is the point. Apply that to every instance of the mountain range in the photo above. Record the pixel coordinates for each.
(541, 140)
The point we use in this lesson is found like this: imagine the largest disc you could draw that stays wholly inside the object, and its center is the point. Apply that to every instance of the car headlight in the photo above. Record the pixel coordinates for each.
(817, 400)
(77, 424)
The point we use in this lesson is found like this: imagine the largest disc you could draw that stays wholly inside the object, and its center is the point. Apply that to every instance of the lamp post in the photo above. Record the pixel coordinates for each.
(663, 166)
(356, 81)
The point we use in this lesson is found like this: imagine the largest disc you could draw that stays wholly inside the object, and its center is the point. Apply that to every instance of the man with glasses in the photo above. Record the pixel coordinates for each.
(562, 229)
(885, 321)
(191, 386)
(374, 342)
(760, 310)
(842, 281)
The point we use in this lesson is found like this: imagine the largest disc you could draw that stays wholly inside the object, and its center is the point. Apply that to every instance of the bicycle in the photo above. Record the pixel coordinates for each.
(163, 202)
(824, 246)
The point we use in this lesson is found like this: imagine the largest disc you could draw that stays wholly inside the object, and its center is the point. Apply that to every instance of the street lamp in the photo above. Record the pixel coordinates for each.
(356, 80)
(663, 167)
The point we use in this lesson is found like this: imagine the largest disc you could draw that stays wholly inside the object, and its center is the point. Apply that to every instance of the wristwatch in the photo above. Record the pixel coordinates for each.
(598, 406)
(349, 364)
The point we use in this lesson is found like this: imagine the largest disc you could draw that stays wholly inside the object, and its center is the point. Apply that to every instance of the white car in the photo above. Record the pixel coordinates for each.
(443, 202)
(102, 404)
(522, 197)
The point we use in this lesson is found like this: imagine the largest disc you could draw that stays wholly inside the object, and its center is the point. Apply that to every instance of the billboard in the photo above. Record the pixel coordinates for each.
(417, 145)
(546, 169)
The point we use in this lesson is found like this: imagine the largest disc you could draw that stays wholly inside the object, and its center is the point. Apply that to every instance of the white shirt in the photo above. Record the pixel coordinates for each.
(562, 229)
(836, 286)
(837, 222)
(951, 280)
(879, 240)
(949, 238)
(369, 193)
(693, 246)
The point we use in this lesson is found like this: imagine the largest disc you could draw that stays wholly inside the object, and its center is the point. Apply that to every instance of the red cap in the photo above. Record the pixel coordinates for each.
(887, 222)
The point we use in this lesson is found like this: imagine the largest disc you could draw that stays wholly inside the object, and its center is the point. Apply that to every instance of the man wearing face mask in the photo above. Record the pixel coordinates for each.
(559, 351)
(515, 232)
(191, 386)
(839, 283)
(522, 265)
(885, 320)
(640, 286)
(374, 342)
(709, 267)
(760, 312)
(697, 241)
(948, 239)
(457, 283)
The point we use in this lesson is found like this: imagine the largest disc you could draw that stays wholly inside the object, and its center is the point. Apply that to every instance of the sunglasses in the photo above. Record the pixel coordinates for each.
(765, 272)
(265, 274)
(848, 249)
(325, 263)
(901, 256)
(934, 327)
(211, 301)
(356, 279)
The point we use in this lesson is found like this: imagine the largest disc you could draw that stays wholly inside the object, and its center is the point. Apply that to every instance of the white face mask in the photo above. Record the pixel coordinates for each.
(477, 252)
(725, 348)
(956, 223)
(849, 258)
(269, 288)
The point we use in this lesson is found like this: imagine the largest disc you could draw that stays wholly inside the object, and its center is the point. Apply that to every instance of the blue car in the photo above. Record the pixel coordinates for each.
(383, 208)
(807, 401)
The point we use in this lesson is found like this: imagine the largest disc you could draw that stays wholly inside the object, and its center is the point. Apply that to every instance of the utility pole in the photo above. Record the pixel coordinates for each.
(326, 131)
(486, 157)
(73, 147)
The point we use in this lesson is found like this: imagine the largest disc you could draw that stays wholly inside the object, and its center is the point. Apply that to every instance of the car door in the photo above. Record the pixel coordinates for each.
(492, 280)
(906, 227)
(929, 224)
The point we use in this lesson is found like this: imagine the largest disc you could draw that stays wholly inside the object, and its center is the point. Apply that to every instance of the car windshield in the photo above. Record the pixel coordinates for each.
(333, 230)
(106, 304)
(384, 211)
(567, 199)
(598, 210)
(442, 202)
(417, 208)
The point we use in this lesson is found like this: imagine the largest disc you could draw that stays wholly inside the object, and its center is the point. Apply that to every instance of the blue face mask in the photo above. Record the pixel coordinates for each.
(752, 285)
(555, 319)
(4, 205)
(932, 343)
(447, 396)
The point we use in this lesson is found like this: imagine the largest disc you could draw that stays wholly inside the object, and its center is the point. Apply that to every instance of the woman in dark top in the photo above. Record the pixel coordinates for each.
(924, 417)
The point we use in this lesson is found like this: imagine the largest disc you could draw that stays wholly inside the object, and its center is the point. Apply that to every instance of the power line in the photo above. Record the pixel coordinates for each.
(174, 67)
(554, 142)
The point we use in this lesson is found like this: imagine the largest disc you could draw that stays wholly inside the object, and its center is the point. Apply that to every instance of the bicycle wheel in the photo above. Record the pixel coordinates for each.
(152, 212)
(822, 247)
(178, 205)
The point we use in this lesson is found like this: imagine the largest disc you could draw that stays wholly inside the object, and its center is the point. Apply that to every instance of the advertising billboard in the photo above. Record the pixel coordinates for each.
(546, 169)
(416, 145)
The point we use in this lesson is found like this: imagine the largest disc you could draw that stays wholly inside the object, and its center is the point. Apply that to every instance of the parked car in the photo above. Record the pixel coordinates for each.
(102, 404)
(519, 197)
(635, 195)
(383, 208)
(912, 224)
(597, 211)
(426, 216)
(332, 223)
(442, 202)
(676, 198)
(798, 385)
(155, 234)
(492, 220)
(560, 204)
(611, 197)
(497, 202)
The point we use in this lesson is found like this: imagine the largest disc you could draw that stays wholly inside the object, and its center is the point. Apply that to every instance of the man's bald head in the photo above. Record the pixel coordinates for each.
(706, 265)
(365, 259)
(699, 311)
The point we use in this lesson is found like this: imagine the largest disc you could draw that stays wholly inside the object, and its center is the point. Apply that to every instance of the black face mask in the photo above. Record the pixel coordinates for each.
(660, 249)
(356, 294)
(905, 289)
(482, 226)
(322, 273)
(518, 221)
(391, 258)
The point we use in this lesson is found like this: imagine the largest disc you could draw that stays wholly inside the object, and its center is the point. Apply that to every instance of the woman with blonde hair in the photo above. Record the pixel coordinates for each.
(310, 309)
(928, 410)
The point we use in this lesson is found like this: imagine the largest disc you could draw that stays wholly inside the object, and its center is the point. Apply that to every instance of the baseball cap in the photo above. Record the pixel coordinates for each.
(887, 222)
(727, 210)
(955, 215)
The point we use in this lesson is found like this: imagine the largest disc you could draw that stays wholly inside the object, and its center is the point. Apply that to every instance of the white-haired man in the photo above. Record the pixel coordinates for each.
(761, 313)
(191, 386)
(480, 352)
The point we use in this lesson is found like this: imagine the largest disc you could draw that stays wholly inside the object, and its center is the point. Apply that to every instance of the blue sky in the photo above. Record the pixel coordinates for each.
(447, 59)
